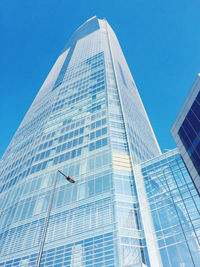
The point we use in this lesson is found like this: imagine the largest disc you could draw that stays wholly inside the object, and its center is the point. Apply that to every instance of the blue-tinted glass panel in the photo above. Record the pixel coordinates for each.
(184, 138)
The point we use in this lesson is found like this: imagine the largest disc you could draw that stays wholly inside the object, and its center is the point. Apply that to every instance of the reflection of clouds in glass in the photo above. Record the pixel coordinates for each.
(174, 211)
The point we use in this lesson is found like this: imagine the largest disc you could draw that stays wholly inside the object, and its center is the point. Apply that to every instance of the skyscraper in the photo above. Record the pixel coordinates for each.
(186, 132)
(88, 122)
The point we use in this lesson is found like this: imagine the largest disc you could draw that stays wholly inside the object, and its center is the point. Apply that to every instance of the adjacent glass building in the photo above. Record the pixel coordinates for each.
(174, 205)
(186, 132)
(88, 121)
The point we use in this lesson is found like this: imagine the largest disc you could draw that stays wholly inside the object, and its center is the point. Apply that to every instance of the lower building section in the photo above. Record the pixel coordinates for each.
(95, 251)
(151, 219)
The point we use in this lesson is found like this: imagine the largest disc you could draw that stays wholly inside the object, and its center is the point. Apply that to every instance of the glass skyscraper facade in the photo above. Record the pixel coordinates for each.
(186, 132)
(87, 121)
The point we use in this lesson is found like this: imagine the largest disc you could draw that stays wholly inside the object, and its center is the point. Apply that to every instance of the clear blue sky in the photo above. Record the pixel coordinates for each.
(160, 40)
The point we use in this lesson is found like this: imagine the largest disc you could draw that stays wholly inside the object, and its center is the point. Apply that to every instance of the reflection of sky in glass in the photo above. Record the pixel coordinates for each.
(77, 124)
(174, 207)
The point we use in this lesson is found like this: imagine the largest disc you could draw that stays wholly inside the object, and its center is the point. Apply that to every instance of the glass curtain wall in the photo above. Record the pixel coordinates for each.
(174, 205)
(79, 124)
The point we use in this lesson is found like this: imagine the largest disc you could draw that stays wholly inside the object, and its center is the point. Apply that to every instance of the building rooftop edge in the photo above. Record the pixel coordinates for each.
(92, 24)
(156, 158)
